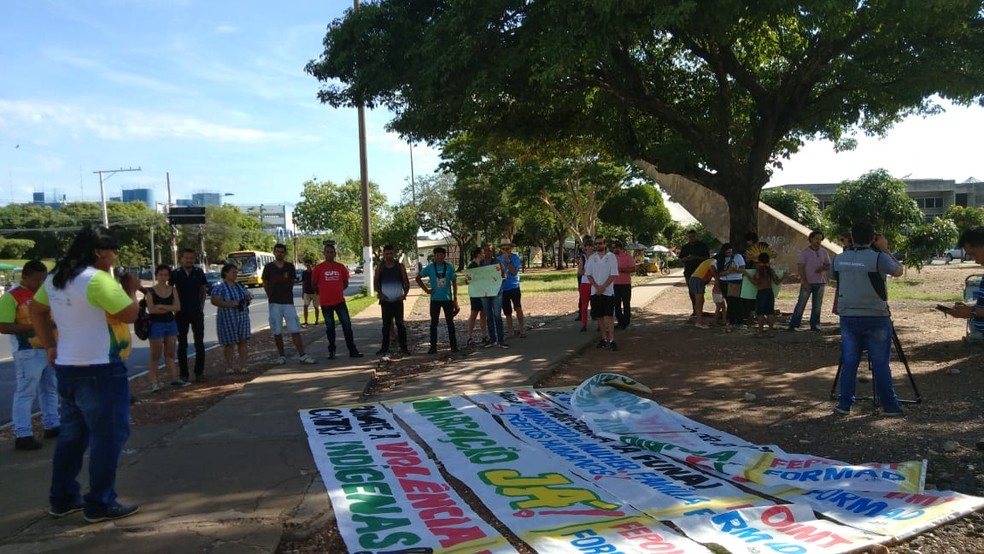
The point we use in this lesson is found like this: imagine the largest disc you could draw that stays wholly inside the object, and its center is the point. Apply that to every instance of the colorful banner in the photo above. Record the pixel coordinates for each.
(653, 484)
(605, 403)
(894, 514)
(786, 529)
(387, 494)
(542, 502)
(595, 470)
(483, 282)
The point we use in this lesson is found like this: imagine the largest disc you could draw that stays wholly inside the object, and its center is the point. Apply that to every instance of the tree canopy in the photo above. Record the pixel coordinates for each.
(797, 204)
(878, 198)
(965, 217)
(719, 91)
(327, 206)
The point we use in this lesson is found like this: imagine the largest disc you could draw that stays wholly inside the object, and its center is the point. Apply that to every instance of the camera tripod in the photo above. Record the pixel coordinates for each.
(874, 389)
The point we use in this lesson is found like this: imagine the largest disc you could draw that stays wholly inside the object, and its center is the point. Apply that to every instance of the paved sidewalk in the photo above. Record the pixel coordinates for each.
(233, 478)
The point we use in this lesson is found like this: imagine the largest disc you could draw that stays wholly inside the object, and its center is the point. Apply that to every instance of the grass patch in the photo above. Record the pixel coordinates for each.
(359, 302)
(906, 289)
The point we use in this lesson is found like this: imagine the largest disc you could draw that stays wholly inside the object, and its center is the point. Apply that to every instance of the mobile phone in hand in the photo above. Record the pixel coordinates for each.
(944, 308)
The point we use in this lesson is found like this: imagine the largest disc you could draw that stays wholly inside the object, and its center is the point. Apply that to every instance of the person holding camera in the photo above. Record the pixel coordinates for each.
(232, 318)
(865, 320)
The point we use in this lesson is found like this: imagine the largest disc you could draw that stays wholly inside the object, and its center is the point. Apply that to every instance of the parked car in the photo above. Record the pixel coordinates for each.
(955, 254)
(359, 269)
(297, 275)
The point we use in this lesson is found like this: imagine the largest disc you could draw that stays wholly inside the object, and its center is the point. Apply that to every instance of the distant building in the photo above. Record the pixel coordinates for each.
(139, 195)
(933, 196)
(276, 219)
(206, 199)
(51, 200)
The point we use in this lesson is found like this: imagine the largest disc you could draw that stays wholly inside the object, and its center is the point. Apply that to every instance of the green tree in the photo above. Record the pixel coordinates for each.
(718, 91)
(227, 229)
(876, 197)
(964, 218)
(15, 249)
(923, 242)
(799, 205)
(438, 212)
(326, 206)
(638, 210)
(400, 230)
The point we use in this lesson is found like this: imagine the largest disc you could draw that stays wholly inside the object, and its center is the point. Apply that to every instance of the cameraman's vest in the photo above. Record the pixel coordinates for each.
(861, 288)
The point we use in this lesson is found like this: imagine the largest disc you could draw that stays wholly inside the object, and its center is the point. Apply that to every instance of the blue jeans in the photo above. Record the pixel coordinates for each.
(346, 322)
(95, 416)
(34, 380)
(816, 290)
(873, 334)
(492, 306)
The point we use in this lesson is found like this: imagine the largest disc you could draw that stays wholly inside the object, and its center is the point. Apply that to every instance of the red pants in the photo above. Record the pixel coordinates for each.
(584, 300)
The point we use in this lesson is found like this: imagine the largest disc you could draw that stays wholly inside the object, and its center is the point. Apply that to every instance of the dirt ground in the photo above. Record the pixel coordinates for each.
(771, 390)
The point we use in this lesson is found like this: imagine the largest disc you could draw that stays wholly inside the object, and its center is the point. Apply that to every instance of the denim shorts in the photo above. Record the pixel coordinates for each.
(281, 312)
(162, 329)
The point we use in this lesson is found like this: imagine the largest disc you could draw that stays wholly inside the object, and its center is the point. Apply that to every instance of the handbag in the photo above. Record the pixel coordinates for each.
(141, 327)
(734, 289)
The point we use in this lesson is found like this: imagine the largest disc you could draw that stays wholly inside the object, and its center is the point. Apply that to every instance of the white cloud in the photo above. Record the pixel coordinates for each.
(127, 78)
(129, 124)
(226, 29)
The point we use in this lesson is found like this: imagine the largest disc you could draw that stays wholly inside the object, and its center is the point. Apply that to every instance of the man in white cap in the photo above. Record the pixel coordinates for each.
(511, 295)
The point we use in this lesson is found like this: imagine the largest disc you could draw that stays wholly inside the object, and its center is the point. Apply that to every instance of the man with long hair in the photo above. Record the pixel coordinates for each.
(92, 313)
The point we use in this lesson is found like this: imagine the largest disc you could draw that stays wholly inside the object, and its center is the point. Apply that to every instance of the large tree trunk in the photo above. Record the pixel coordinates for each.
(743, 214)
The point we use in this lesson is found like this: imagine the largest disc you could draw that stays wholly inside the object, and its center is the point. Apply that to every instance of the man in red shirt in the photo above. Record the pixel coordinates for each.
(330, 279)
(623, 285)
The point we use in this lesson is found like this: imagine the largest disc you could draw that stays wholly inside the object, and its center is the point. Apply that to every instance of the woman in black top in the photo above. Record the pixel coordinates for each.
(162, 303)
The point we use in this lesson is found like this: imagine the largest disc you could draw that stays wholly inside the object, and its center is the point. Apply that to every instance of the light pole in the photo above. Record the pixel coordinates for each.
(102, 189)
(413, 199)
(364, 174)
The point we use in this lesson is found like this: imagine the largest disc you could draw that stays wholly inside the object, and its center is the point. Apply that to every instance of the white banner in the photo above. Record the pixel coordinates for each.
(606, 404)
(785, 529)
(656, 485)
(594, 470)
(387, 494)
(544, 503)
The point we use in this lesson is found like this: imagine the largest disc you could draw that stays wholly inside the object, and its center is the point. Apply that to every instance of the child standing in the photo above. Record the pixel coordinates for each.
(765, 299)
(720, 308)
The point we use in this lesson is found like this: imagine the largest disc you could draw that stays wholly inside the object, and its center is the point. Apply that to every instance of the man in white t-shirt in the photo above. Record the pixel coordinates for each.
(601, 269)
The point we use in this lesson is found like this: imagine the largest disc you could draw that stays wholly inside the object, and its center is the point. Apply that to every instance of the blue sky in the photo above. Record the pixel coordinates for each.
(214, 92)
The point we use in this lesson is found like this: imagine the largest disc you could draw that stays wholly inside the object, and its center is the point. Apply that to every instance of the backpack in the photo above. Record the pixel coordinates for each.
(141, 327)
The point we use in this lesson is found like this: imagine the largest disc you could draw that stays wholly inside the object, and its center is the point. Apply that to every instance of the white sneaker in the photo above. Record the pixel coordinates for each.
(307, 359)
(281, 360)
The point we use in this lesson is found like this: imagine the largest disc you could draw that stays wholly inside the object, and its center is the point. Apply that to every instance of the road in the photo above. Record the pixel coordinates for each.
(137, 363)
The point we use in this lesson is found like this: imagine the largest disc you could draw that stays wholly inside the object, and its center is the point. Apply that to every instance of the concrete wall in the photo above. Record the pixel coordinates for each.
(784, 235)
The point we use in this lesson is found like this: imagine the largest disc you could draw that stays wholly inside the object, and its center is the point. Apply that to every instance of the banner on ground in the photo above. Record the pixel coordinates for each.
(544, 503)
(605, 402)
(561, 471)
(387, 493)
